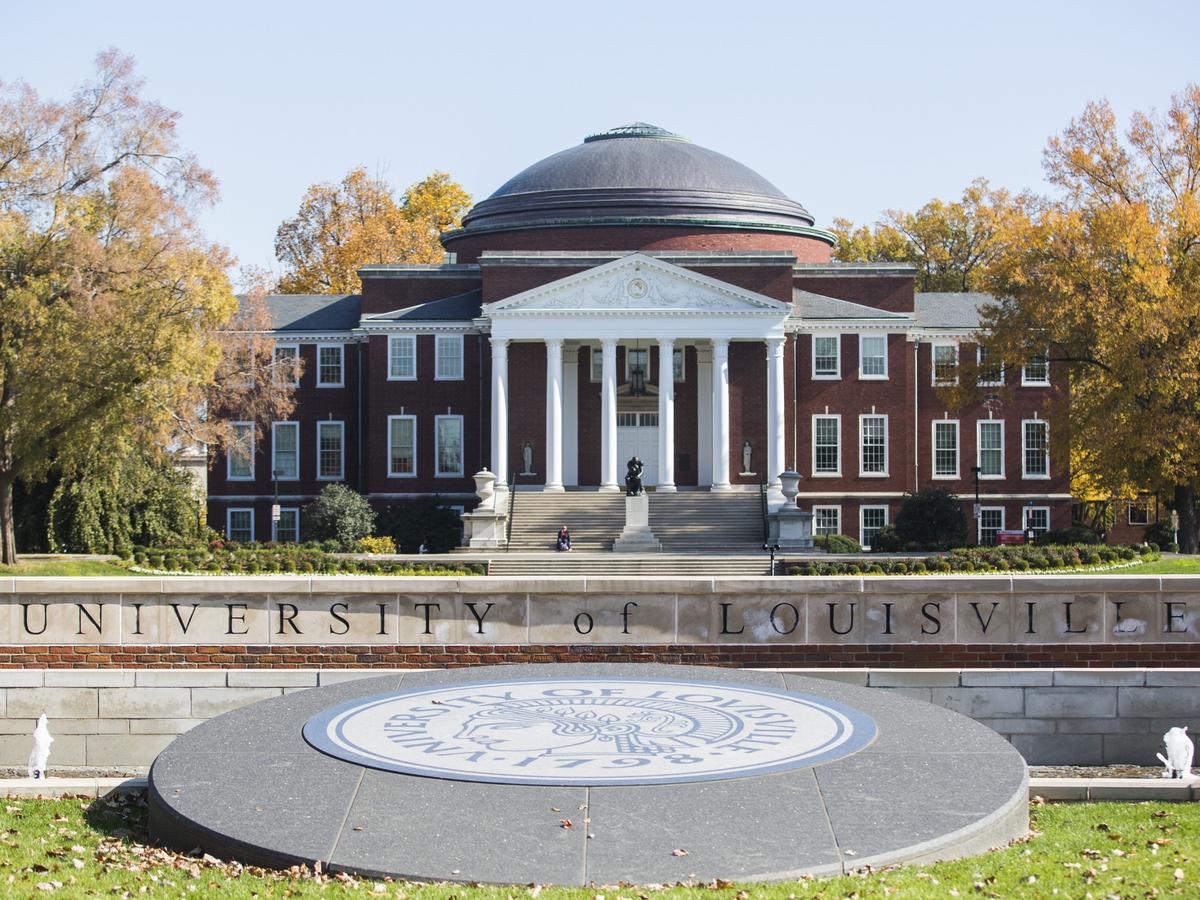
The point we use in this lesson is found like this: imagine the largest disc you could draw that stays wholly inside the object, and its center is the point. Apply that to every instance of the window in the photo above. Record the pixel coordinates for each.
(330, 451)
(945, 449)
(239, 525)
(288, 527)
(989, 447)
(827, 451)
(827, 520)
(597, 357)
(448, 357)
(449, 438)
(287, 364)
(827, 357)
(402, 357)
(872, 356)
(239, 458)
(991, 521)
(945, 364)
(989, 372)
(637, 361)
(870, 520)
(1035, 449)
(285, 446)
(677, 368)
(1037, 520)
(1036, 372)
(329, 365)
(872, 442)
(1139, 512)
(402, 446)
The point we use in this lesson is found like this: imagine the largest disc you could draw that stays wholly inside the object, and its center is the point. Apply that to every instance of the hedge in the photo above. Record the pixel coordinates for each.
(296, 559)
(1015, 558)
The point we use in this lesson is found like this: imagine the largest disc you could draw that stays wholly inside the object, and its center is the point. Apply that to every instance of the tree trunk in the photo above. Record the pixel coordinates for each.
(1185, 505)
(8, 537)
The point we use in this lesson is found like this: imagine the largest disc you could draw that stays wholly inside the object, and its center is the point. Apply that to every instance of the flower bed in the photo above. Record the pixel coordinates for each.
(254, 559)
(1020, 558)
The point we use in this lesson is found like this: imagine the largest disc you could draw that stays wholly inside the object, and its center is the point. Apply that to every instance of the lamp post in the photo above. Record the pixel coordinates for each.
(773, 548)
(275, 473)
(978, 509)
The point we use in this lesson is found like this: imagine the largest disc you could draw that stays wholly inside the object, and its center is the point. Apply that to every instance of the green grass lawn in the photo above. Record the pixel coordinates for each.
(1180, 565)
(83, 848)
(74, 567)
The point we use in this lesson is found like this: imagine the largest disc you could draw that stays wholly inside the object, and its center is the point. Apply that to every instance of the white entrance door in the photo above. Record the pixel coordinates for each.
(637, 435)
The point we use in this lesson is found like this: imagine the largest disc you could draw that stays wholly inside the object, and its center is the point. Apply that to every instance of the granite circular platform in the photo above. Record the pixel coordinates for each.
(582, 774)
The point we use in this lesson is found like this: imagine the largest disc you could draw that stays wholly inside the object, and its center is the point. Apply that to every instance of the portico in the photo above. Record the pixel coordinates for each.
(634, 306)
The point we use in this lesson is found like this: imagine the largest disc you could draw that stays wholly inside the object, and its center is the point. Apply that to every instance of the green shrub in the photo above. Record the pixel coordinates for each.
(339, 514)
(837, 543)
(874, 569)
(886, 540)
(919, 568)
(377, 544)
(1160, 533)
(1076, 534)
(422, 521)
(932, 519)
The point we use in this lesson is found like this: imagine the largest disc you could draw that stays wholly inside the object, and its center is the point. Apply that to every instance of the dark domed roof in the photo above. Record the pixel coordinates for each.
(637, 175)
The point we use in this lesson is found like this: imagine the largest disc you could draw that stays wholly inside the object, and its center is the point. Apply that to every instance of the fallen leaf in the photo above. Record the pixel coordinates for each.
(679, 852)
(566, 823)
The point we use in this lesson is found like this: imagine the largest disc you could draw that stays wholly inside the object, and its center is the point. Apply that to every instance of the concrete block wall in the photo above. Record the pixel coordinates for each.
(122, 718)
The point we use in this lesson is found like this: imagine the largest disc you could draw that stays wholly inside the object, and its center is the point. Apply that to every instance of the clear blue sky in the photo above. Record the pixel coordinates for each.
(850, 108)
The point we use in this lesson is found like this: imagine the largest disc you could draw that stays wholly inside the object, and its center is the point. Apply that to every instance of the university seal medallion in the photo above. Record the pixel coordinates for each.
(585, 731)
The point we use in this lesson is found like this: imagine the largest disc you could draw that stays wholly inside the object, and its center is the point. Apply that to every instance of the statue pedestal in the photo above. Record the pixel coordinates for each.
(792, 528)
(637, 536)
(485, 526)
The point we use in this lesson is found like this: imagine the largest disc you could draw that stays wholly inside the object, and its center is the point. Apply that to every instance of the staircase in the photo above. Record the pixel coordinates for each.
(594, 519)
(576, 564)
(704, 522)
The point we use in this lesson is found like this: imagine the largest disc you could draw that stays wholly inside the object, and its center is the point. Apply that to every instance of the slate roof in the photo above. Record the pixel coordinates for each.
(950, 310)
(458, 308)
(817, 306)
(314, 312)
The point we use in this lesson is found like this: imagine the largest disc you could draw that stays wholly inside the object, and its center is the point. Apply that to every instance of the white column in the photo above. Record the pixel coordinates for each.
(704, 428)
(720, 432)
(666, 415)
(570, 469)
(608, 416)
(500, 411)
(776, 446)
(554, 405)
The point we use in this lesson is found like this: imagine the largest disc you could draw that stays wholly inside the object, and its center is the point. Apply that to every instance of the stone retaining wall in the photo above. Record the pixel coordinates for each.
(119, 718)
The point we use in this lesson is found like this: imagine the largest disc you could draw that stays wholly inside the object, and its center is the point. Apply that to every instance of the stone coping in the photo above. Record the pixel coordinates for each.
(48, 788)
(634, 584)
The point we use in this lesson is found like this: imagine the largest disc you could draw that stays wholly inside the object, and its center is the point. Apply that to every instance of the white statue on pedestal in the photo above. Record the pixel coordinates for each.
(1180, 751)
(40, 755)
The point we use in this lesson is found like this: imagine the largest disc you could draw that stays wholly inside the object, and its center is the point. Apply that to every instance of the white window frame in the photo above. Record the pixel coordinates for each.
(1026, 381)
(629, 351)
(1137, 504)
(275, 525)
(979, 522)
(341, 427)
(837, 509)
(979, 382)
(274, 456)
(438, 341)
(341, 350)
(229, 511)
(1025, 510)
(229, 476)
(1025, 449)
(390, 473)
(437, 447)
(933, 349)
(862, 522)
(394, 339)
(678, 372)
(837, 346)
(838, 418)
(886, 456)
(862, 339)
(933, 447)
(275, 360)
(979, 448)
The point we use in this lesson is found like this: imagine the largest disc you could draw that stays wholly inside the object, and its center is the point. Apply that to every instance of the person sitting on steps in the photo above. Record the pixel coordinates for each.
(564, 539)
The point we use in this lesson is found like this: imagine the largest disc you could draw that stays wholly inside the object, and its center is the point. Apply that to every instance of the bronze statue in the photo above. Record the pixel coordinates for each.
(633, 478)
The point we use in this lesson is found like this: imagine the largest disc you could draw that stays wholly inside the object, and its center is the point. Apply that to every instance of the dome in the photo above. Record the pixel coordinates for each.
(638, 175)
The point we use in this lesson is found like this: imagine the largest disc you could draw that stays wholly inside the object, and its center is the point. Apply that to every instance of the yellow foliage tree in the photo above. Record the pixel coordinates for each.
(1107, 275)
(359, 221)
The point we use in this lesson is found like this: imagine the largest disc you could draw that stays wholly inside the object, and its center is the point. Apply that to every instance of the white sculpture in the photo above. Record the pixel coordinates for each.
(527, 458)
(40, 754)
(1180, 750)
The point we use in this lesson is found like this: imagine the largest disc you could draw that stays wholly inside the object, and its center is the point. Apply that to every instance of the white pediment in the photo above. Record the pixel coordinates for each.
(634, 284)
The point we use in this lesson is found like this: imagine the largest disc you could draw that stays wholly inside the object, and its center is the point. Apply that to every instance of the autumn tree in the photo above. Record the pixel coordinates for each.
(113, 307)
(360, 221)
(1107, 275)
(951, 244)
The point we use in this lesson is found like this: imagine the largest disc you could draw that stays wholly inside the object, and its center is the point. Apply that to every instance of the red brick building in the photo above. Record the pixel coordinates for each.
(638, 294)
